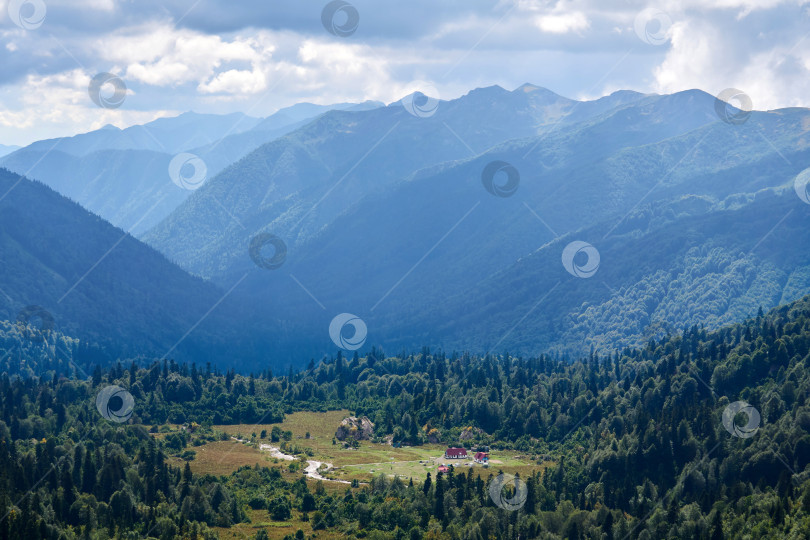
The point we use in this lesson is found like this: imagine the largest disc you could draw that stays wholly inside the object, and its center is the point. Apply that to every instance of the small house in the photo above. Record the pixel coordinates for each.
(481, 457)
(444, 469)
(455, 453)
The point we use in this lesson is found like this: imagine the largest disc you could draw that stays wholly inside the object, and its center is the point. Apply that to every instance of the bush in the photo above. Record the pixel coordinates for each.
(279, 508)
(318, 521)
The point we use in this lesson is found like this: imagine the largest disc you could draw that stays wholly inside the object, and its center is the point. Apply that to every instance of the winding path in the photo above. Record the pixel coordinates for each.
(312, 465)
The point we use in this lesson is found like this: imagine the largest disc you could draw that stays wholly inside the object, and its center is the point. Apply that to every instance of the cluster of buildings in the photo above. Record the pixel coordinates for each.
(461, 453)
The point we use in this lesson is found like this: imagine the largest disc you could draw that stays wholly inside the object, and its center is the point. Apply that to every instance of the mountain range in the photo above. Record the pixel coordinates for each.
(6, 150)
(499, 221)
(123, 175)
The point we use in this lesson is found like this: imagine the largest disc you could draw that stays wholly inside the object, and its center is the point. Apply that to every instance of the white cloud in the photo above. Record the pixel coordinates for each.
(745, 7)
(61, 103)
(165, 56)
(714, 44)
(562, 24)
(774, 70)
(235, 82)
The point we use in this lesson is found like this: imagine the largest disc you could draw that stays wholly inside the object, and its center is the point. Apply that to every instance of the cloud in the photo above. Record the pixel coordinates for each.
(61, 102)
(222, 57)
(761, 53)
(562, 24)
(165, 57)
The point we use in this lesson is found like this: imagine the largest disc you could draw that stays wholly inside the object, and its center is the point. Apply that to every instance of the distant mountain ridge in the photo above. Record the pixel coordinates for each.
(300, 183)
(398, 230)
(6, 150)
(448, 221)
(123, 175)
(168, 135)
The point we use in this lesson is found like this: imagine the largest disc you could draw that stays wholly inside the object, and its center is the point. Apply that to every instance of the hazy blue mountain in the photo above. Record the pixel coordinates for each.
(307, 111)
(386, 215)
(171, 135)
(679, 264)
(233, 147)
(298, 184)
(100, 284)
(411, 258)
(167, 135)
(130, 188)
(714, 163)
(123, 175)
(6, 150)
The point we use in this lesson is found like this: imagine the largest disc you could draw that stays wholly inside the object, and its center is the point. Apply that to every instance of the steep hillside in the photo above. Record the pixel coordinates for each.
(438, 256)
(297, 185)
(99, 284)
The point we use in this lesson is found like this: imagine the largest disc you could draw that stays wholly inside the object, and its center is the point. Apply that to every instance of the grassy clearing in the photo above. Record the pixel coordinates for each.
(372, 459)
(260, 519)
(223, 458)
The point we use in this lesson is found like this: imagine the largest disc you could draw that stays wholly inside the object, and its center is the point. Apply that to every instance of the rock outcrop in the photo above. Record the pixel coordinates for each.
(469, 433)
(361, 429)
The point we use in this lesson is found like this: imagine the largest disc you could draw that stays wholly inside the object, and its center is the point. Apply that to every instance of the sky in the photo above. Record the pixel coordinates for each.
(146, 59)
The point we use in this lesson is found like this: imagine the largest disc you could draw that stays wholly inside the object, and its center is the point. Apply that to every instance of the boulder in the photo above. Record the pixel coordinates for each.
(361, 429)
(470, 433)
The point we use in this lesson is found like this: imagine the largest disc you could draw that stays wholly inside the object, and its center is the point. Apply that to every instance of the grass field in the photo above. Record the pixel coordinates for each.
(372, 459)
(260, 519)
(224, 457)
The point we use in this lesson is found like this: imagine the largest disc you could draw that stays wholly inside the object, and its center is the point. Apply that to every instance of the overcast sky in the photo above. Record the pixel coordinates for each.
(256, 56)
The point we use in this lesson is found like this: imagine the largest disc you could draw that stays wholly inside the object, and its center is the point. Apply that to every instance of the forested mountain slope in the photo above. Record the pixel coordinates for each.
(98, 283)
(637, 442)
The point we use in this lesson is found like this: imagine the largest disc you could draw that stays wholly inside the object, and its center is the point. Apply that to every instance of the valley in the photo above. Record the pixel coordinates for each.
(643, 437)
(488, 270)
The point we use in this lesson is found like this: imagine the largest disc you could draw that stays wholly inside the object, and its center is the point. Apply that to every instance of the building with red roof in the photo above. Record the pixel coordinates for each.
(481, 457)
(455, 453)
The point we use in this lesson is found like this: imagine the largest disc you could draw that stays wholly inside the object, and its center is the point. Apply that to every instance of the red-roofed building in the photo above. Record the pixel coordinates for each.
(455, 453)
(444, 468)
(481, 457)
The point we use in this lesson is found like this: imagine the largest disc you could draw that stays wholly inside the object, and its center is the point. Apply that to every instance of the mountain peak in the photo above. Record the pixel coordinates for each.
(494, 91)
(528, 87)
